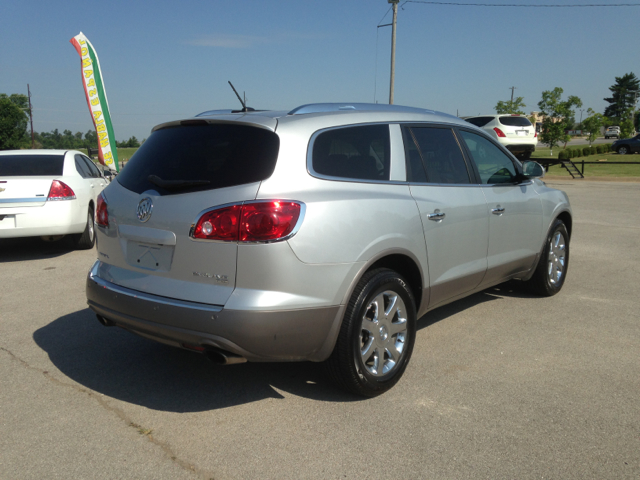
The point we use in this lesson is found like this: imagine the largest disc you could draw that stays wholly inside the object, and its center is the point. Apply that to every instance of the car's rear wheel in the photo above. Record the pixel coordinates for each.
(86, 239)
(551, 271)
(623, 150)
(377, 335)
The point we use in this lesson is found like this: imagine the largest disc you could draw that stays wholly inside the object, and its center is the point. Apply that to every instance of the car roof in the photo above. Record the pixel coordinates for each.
(41, 151)
(331, 112)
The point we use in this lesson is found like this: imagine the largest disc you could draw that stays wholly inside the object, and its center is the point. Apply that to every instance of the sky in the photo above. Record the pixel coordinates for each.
(167, 59)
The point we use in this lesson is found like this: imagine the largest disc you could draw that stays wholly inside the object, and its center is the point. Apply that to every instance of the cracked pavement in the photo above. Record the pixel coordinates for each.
(501, 384)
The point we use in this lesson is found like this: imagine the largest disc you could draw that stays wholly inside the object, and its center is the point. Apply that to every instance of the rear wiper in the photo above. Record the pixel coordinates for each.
(176, 184)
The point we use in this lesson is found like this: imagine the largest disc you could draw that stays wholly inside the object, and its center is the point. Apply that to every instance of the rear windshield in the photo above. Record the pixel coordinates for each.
(479, 121)
(31, 165)
(515, 121)
(201, 157)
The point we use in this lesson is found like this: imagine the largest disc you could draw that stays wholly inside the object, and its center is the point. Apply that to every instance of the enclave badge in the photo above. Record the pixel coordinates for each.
(144, 209)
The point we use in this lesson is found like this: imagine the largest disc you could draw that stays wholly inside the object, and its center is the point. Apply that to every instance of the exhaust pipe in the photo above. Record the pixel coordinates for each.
(222, 357)
(105, 322)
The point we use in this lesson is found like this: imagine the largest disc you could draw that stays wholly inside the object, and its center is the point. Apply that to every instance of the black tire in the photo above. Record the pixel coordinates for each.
(551, 271)
(525, 156)
(86, 239)
(393, 334)
(623, 150)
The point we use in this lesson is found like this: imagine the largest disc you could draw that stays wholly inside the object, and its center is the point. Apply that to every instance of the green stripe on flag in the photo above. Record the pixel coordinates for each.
(97, 75)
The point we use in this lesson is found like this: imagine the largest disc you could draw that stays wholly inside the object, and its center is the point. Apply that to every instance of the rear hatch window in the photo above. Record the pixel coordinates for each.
(189, 158)
(515, 121)
(31, 165)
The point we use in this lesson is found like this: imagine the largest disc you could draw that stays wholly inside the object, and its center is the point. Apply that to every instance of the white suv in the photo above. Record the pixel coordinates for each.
(515, 132)
(612, 132)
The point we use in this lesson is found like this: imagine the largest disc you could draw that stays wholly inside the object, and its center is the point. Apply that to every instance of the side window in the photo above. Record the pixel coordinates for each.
(353, 152)
(441, 155)
(92, 168)
(493, 165)
(479, 121)
(82, 167)
(415, 167)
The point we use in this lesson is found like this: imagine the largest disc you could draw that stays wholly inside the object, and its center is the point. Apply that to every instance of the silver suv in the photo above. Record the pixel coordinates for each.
(321, 234)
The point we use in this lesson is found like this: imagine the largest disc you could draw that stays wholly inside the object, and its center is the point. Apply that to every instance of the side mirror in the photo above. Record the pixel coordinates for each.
(532, 169)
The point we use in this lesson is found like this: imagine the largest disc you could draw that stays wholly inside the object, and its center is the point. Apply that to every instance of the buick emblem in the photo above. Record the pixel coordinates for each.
(144, 209)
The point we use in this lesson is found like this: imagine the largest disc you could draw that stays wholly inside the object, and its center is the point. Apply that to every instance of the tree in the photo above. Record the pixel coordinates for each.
(626, 125)
(558, 116)
(593, 123)
(13, 125)
(623, 96)
(510, 106)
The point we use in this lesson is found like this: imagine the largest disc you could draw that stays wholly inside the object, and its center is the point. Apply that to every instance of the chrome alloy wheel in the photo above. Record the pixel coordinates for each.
(556, 259)
(383, 333)
(90, 225)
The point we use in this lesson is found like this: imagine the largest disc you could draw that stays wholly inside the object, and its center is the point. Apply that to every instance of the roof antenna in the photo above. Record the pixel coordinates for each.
(244, 106)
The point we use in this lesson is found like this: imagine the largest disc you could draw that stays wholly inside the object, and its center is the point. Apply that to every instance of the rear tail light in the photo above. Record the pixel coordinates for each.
(102, 215)
(60, 191)
(499, 132)
(250, 222)
(536, 134)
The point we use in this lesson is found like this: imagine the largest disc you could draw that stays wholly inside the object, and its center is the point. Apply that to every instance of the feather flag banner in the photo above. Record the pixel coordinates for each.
(97, 101)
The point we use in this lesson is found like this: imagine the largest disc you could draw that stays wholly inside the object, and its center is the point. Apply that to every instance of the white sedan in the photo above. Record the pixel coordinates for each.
(49, 194)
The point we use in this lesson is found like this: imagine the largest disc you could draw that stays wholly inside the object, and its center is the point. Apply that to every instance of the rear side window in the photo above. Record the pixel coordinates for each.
(31, 165)
(479, 121)
(82, 167)
(440, 154)
(201, 157)
(515, 121)
(361, 153)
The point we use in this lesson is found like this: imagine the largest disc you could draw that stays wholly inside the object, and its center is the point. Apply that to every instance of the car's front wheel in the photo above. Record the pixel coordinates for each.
(623, 150)
(377, 335)
(551, 271)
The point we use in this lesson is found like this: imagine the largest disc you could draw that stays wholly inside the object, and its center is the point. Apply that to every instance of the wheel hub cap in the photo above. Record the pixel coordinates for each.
(383, 333)
(557, 258)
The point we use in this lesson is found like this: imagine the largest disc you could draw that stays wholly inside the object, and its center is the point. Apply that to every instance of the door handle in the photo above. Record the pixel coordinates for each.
(498, 210)
(93, 186)
(436, 216)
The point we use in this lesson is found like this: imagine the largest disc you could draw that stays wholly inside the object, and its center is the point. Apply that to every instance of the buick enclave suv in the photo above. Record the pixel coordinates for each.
(322, 233)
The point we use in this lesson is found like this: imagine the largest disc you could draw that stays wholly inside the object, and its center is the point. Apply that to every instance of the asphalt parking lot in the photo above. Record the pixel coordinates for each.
(502, 385)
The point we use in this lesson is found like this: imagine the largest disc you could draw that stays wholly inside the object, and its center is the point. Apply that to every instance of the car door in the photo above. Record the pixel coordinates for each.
(452, 208)
(514, 209)
(99, 181)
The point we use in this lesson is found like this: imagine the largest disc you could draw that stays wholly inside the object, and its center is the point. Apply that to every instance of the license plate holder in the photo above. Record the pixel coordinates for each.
(149, 257)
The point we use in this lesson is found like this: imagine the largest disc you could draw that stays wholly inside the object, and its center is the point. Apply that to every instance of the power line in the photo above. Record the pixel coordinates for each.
(578, 5)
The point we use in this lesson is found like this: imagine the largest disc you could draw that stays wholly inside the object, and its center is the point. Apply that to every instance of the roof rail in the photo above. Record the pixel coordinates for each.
(362, 107)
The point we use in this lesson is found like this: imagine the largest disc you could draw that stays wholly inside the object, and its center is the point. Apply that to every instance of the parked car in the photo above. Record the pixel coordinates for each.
(611, 132)
(515, 132)
(627, 145)
(321, 234)
(49, 194)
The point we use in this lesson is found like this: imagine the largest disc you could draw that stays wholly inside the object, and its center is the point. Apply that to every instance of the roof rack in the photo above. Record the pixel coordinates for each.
(362, 107)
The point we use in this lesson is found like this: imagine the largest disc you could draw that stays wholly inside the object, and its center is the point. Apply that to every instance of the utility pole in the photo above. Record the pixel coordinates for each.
(512, 89)
(31, 117)
(393, 48)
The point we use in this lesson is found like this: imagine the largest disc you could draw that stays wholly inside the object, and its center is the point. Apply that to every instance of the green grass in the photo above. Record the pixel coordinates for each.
(602, 169)
(126, 153)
